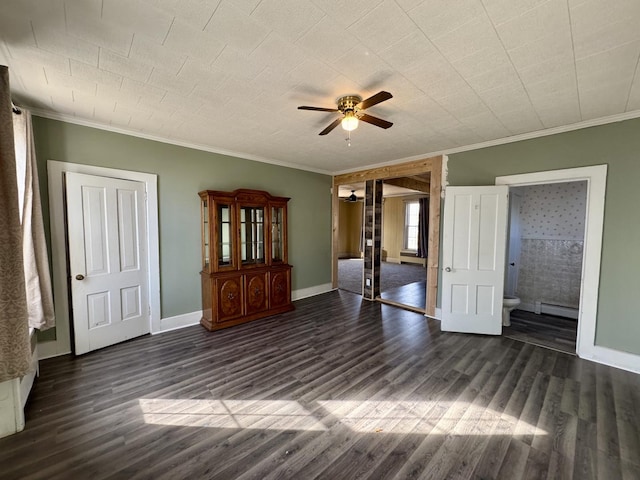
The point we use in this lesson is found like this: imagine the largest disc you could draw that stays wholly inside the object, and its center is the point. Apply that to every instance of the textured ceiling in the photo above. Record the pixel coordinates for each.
(228, 75)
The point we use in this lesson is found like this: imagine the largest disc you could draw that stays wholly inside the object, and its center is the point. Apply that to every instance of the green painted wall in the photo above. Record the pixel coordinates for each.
(618, 146)
(182, 173)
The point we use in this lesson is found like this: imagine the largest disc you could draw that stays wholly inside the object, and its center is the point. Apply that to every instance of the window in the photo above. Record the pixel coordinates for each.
(411, 215)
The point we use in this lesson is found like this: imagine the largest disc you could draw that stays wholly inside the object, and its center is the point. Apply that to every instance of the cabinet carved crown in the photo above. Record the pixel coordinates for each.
(245, 270)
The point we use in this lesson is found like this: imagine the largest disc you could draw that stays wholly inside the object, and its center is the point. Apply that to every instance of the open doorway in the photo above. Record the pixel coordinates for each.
(418, 178)
(403, 274)
(544, 262)
(350, 237)
(595, 177)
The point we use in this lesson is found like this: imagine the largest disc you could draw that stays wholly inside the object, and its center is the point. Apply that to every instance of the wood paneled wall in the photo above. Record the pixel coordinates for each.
(350, 229)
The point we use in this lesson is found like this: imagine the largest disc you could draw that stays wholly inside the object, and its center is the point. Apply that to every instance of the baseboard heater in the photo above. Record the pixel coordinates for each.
(550, 309)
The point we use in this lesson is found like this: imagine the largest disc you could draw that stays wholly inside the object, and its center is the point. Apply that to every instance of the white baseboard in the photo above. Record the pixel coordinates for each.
(392, 260)
(188, 319)
(179, 321)
(613, 358)
(50, 349)
(311, 291)
(193, 318)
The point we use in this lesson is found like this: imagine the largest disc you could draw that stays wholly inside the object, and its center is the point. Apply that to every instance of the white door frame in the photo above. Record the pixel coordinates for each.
(55, 173)
(596, 177)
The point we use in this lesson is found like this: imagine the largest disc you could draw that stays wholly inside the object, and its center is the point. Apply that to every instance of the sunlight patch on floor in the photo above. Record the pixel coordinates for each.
(421, 417)
(258, 414)
(362, 416)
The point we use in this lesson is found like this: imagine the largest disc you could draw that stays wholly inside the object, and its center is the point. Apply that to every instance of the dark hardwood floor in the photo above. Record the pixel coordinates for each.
(413, 295)
(548, 331)
(340, 388)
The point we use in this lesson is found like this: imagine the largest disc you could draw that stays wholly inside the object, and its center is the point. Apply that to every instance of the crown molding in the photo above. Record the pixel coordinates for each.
(465, 148)
(133, 133)
(621, 117)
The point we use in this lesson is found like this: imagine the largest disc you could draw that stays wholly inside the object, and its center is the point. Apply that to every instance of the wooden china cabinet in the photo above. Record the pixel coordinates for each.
(245, 271)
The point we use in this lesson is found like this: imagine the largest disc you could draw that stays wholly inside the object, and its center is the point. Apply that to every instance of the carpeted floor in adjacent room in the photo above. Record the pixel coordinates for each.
(392, 275)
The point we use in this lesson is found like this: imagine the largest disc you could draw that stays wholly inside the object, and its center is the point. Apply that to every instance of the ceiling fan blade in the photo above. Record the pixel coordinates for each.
(377, 98)
(331, 127)
(319, 109)
(378, 122)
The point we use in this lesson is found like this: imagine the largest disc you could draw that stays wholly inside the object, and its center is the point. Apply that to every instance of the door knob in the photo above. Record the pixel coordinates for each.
(79, 277)
(512, 264)
(448, 269)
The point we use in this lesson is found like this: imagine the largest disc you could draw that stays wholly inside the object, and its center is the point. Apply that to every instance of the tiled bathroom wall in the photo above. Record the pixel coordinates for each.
(552, 220)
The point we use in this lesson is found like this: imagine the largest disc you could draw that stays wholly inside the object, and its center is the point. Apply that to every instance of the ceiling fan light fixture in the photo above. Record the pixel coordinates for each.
(351, 107)
(349, 122)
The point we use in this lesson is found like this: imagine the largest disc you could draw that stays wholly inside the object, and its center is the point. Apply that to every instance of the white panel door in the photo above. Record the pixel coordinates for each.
(107, 260)
(473, 257)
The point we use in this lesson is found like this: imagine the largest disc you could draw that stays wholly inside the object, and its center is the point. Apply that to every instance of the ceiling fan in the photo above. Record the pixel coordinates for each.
(351, 198)
(351, 106)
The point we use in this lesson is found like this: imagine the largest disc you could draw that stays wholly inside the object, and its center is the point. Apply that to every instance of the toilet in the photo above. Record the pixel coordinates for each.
(509, 302)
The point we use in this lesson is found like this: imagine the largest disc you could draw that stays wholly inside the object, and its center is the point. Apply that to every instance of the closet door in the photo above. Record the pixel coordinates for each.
(107, 259)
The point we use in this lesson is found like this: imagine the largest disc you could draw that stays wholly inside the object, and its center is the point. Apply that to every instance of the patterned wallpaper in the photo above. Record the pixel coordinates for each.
(553, 211)
(552, 220)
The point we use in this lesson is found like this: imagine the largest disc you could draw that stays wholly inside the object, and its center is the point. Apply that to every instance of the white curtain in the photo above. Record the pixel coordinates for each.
(36, 261)
(15, 354)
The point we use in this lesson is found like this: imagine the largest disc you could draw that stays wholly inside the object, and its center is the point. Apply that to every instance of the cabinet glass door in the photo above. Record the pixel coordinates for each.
(205, 235)
(252, 235)
(277, 247)
(225, 239)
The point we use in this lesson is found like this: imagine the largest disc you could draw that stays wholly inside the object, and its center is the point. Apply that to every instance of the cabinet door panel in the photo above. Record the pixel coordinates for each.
(229, 297)
(256, 293)
(280, 290)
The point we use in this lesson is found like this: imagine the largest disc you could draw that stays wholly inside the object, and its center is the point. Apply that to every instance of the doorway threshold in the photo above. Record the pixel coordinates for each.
(401, 305)
(548, 331)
